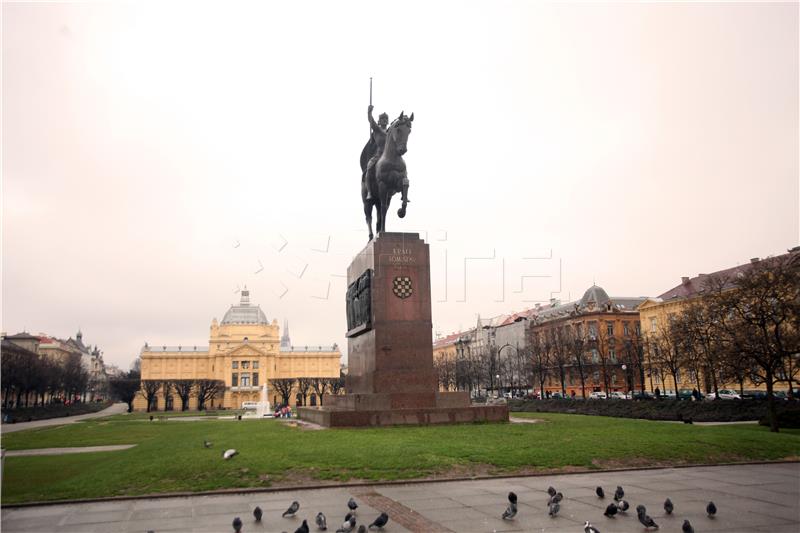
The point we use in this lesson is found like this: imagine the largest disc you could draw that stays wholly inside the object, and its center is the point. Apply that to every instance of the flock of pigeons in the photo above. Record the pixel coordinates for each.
(348, 526)
(619, 506)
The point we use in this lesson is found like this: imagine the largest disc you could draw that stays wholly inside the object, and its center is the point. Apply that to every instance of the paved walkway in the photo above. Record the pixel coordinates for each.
(115, 409)
(749, 498)
(63, 451)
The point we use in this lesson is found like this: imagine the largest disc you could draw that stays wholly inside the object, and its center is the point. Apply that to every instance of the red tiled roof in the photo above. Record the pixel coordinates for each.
(697, 284)
(449, 339)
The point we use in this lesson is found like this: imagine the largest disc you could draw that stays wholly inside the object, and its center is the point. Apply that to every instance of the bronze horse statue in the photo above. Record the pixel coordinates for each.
(389, 176)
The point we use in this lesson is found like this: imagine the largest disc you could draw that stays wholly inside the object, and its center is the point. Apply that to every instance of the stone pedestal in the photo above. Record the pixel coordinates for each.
(390, 378)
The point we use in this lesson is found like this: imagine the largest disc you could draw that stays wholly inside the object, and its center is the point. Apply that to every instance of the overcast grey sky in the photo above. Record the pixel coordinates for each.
(159, 155)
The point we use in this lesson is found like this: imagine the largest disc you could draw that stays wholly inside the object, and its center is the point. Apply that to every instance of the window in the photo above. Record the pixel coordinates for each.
(612, 354)
(245, 365)
(677, 376)
(652, 324)
(255, 365)
(613, 378)
(610, 329)
(235, 379)
(234, 364)
(245, 381)
(578, 330)
(593, 329)
(638, 328)
(625, 329)
(255, 379)
(596, 377)
(595, 355)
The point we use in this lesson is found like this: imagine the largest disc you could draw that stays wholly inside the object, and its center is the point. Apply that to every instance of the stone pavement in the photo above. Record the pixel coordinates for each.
(115, 409)
(748, 497)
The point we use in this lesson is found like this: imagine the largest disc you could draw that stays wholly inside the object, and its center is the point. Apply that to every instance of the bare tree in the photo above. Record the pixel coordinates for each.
(126, 388)
(759, 318)
(284, 388)
(303, 386)
(184, 388)
(207, 390)
(321, 387)
(150, 388)
(540, 350)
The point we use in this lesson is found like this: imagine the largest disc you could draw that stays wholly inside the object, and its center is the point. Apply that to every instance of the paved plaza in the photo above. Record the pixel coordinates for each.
(748, 497)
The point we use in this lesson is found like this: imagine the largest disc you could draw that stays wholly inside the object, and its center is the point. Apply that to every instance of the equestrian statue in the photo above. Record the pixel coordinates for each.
(383, 171)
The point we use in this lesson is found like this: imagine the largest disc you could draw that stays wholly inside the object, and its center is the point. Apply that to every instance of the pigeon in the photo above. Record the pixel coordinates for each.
(257, 513)
(589, 528)
(668, 507)
(711, 509)
(348, 526)
(227, 454)
(322, 522)
(348, 516)
(600, 493)
(291, 510)
(362, 529)
(687, 527)
(380, 522)
(551, 491)
(207, 444)
(554, 508)
(511, 511)
(352, 505)
(611, 510)
(619, 494)
(556, 499)
(646, 521)
(237, 524)
(622, 506)
(303, 528)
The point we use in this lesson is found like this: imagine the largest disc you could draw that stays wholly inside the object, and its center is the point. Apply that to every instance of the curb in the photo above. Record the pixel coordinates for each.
(255, 490)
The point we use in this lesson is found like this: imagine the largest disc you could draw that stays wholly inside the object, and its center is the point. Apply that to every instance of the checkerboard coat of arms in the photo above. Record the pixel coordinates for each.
(401, 287)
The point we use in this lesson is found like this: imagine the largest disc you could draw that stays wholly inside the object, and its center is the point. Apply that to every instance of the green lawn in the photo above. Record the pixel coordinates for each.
(170, 456)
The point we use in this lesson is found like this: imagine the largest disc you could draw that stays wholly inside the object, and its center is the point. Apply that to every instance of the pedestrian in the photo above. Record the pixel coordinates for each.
(695, 395)
(658, 393)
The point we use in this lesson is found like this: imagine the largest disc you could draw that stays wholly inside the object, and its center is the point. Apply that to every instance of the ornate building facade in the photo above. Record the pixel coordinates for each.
(245, 350)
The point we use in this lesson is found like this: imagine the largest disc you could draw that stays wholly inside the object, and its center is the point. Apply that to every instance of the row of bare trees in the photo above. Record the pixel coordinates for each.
(565, 353)
(489, 368)
(31, 379)
(743, 328)
(306, 386)
(206, 390)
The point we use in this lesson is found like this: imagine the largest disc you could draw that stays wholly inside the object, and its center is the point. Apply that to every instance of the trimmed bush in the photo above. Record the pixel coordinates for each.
(703, 411)
(786, 419)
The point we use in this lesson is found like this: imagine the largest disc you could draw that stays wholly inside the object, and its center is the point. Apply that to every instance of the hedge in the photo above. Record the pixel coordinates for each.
(702, 411)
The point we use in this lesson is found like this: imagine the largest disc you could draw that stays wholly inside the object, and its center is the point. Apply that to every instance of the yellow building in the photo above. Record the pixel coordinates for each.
(444, 361)
(244, 351)
(655, 315)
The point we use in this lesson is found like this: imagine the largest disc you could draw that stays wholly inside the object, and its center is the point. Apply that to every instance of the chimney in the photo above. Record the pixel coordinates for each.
(754, 260)
(685, 280)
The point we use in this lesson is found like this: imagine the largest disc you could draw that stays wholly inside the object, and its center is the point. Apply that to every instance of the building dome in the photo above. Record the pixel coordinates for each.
(595, 295)
(244, 313)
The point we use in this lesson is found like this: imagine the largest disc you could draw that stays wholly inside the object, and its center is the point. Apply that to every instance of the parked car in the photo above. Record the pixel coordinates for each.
(617, 395)
(643, 395)
(598, 396)
(686, 394)
(724, 394)
(249, 405)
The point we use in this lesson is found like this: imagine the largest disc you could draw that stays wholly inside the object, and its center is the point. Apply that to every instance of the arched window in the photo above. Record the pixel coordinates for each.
(299, 399)
(313, 400)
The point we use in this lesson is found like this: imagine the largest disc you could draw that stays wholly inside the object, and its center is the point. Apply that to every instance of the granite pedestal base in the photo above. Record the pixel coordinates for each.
(391, 379)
